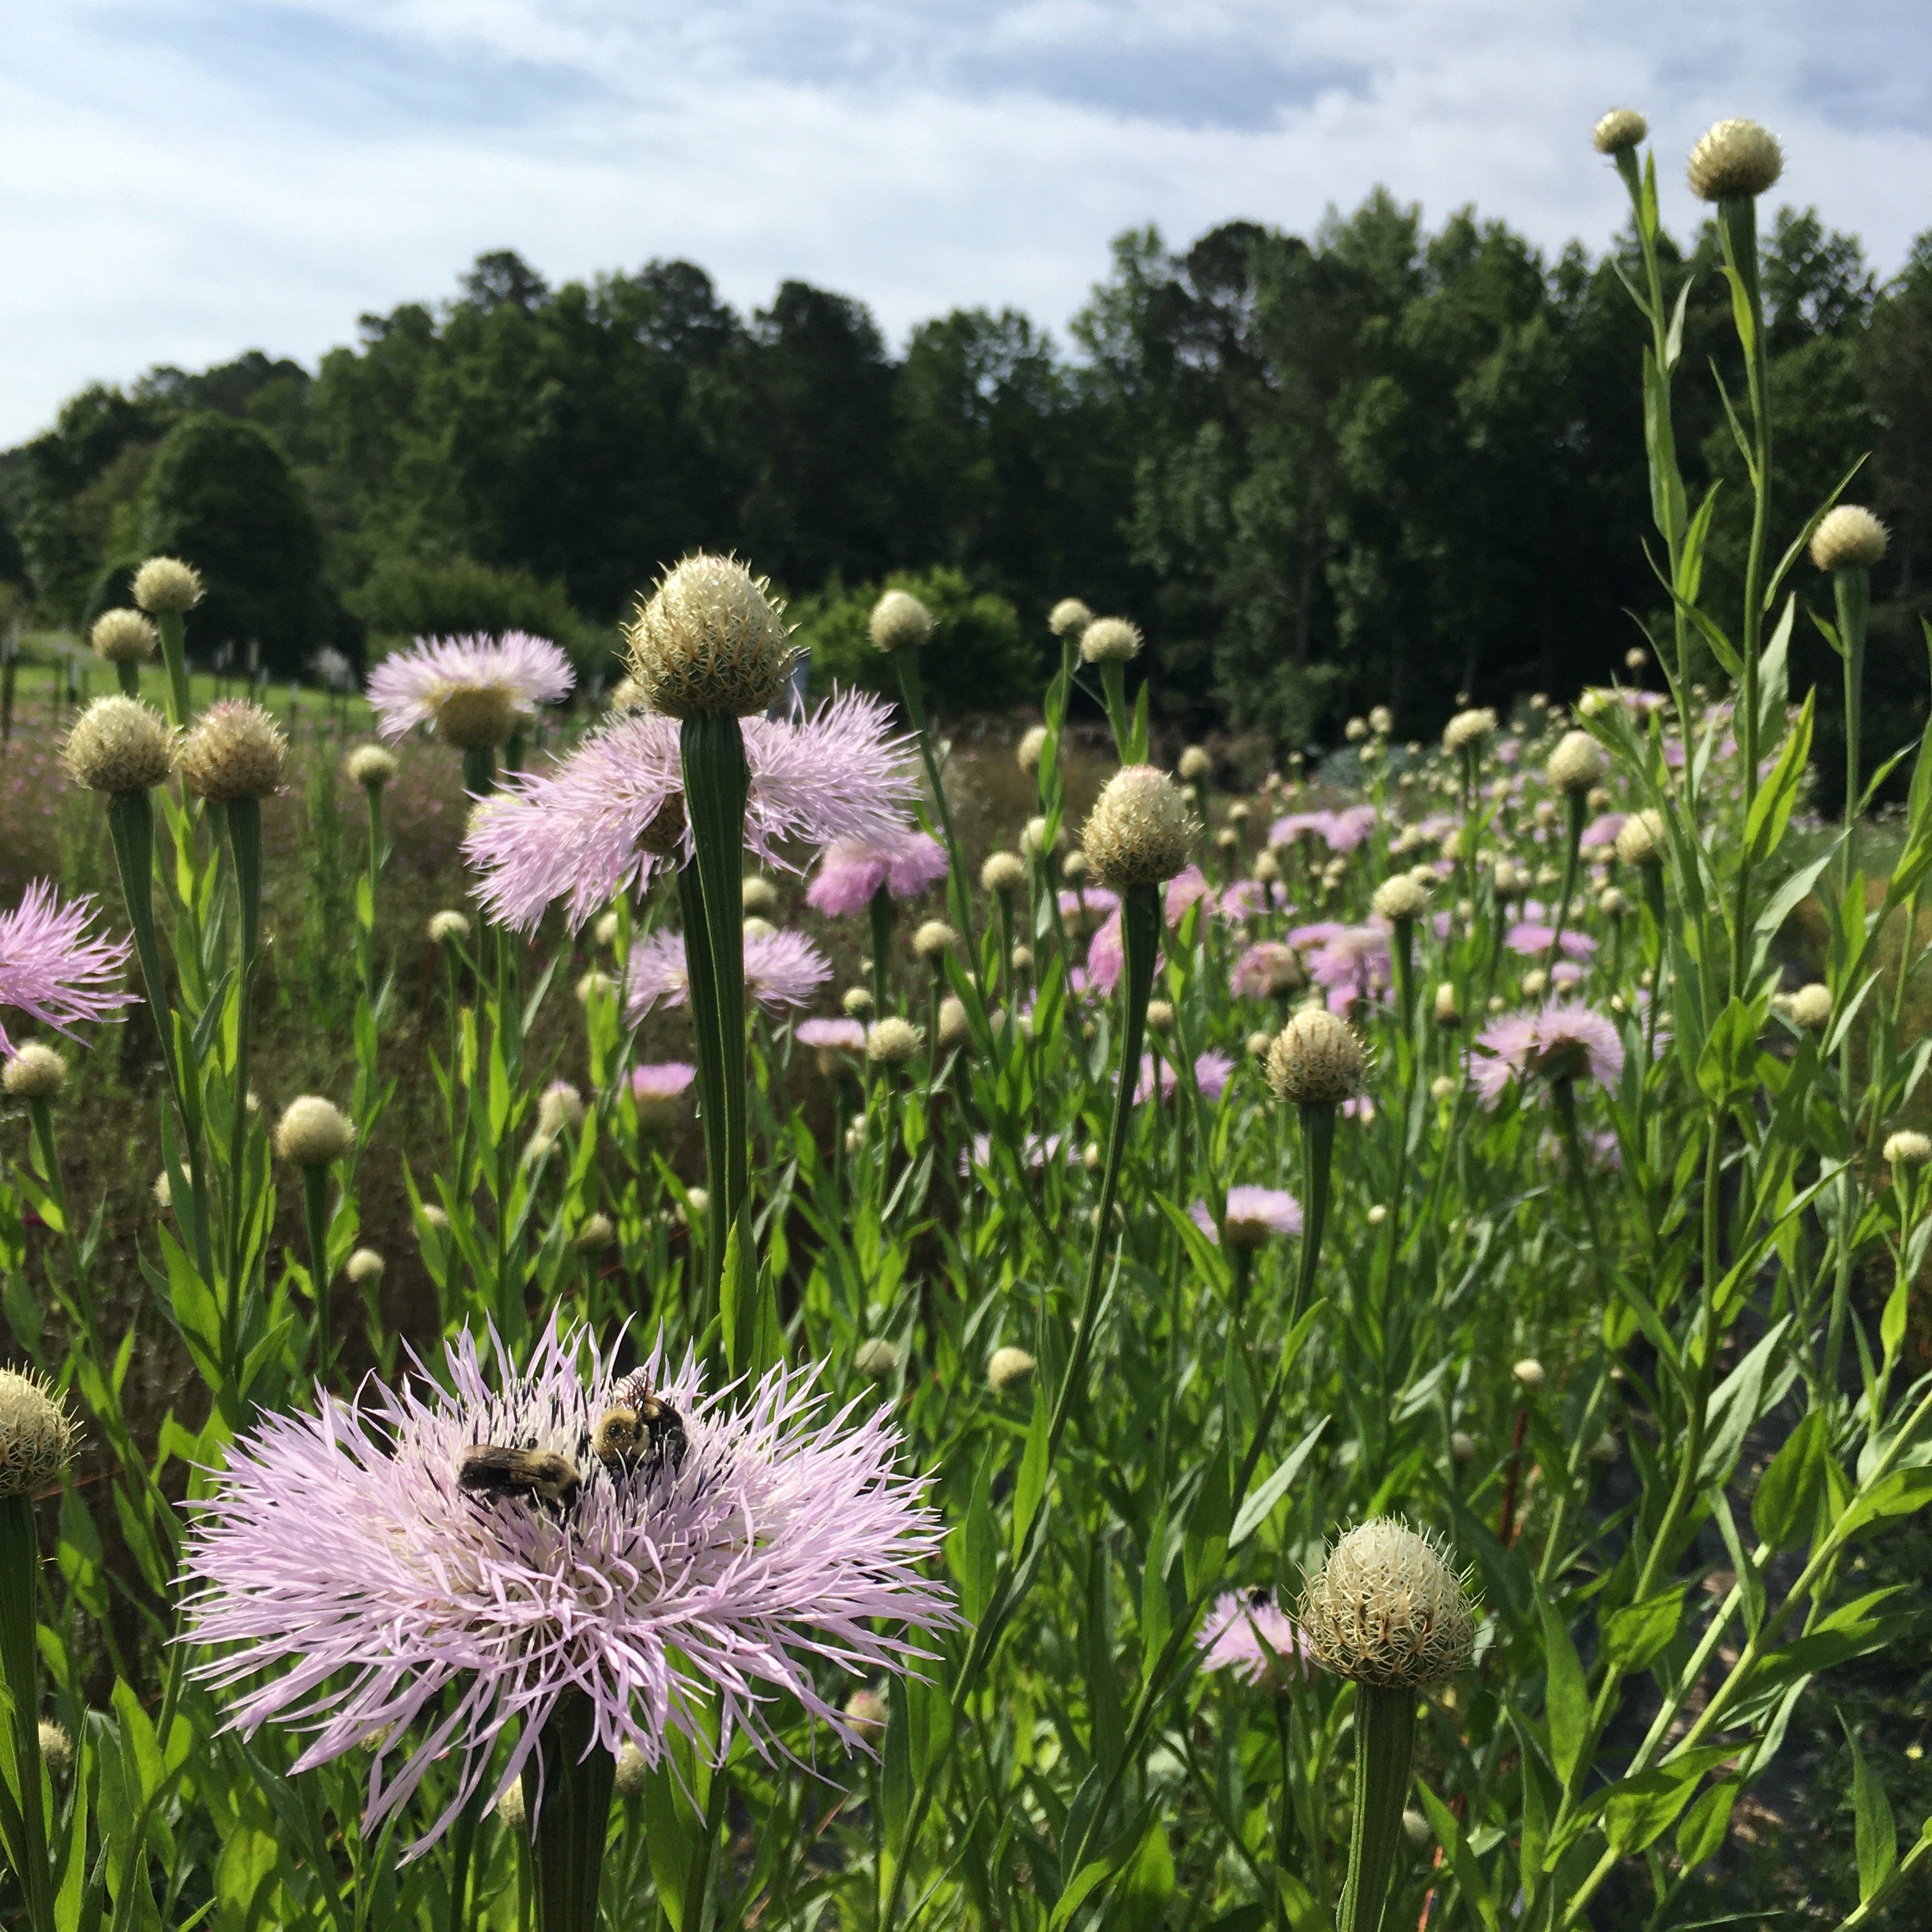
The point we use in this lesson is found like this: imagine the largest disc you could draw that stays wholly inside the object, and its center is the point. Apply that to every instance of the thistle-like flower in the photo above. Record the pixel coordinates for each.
(1621, 129)
(782, 969)
(1110, 640)
(1268, 970)
(1735, 159)
(1640, 838)
(709, 640)
(1141, 831)
(1031, 748)
(892, 1041)
(233, 750)
(1848, 537)
(167, 583)
(1565, 1041)
(312, 1131)
(658, 1089)
(119, 745)
(1248, 1632)
(370, 767)
(1467, 728)
(33, 1073)
(53, 968)
(1317, 1059)
(1386, 1609)
(344, 1565)
(1577, 763)
(125, 637)
(899, 622)
(1008, 1368)
(1255, 1216)
(36, 1434)
(904, 861)
(473, 691)
(1068, 618)
(612, 811)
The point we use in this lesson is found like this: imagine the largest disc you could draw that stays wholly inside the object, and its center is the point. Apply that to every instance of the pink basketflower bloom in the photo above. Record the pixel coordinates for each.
(574, 831)
(1566, 1041)
(1185, 889)
(1249, 1633)
(831, 1036)
(53, 968)
(340, 1560)
(905, 861)
(1254, 1214)
(1086, 907)
(1106, 957)
(782, 969)
(1530, 939)
(1267, 970)
(408, 688)
(1212, 1072)
(1351, 961)
(1602, 832)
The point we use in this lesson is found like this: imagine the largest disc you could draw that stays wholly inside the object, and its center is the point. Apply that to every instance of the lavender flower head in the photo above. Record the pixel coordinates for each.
(905, 861)
(1255, 1215)
(1566, 1041)
(54, 969)
(658, 1089)
(782, 969)
(831, 1036)
(1249, 1633)
(607, 815)
(516, 671)
(339, 1555)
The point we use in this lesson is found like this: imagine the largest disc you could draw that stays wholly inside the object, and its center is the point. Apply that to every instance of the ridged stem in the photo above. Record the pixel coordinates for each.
(174, 656)
(567, 1781)
(1384, 1750)
(912, 691)
(19, 1572)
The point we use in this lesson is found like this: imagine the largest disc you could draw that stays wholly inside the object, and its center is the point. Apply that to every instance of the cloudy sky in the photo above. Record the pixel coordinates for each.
(184, 179)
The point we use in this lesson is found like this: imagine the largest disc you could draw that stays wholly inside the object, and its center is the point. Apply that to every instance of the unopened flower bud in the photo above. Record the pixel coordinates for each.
(124, 637)
(1846, 538)
(899, 622)
(165, 583)
(119, 745)
(892, 1042)
(1007, 1368)
(1621, 129)
(233, 750)
(1110, 640)
(1385, 1610)
(1317, 1059)
(34, 1072)
(710, 640)
(1141, 831)
(1736, 160)
(371, 766)
(1068, 618)
(312, 1131)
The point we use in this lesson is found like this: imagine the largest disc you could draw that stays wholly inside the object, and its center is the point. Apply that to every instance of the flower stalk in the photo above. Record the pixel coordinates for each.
(567, 1781)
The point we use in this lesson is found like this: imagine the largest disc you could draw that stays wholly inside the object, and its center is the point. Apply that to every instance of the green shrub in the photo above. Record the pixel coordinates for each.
(406, 598)
(977, 660)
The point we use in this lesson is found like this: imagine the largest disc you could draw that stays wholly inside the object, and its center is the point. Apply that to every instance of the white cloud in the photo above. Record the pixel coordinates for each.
(186, 180)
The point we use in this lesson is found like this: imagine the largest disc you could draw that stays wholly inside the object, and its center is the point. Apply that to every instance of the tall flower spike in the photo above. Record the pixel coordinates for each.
(352, 1583)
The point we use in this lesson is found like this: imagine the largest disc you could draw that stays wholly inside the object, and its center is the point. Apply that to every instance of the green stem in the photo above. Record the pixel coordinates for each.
(1577, 804)
(913, 692)
(1318, 1149)
(1737, 229)
(1384, 1749)
(19, 1597)
(710, 1082)
(1140, 934)
(244, 840)
(174, 655)
(315, 1223)
(567, 1786)
(881, 910)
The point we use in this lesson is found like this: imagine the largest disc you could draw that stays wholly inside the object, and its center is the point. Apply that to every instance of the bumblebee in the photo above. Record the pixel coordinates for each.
(538, 1475)
(638, 1426)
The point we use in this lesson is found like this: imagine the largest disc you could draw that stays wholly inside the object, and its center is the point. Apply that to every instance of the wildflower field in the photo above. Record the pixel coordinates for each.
(709, 1308)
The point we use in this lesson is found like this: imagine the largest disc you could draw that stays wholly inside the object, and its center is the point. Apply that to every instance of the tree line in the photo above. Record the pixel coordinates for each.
(1375, 464)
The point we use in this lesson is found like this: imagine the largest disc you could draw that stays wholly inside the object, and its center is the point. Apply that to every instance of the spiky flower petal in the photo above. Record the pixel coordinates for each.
(353, 1587)
(473, 690)
(612, 811)
(53, 967)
